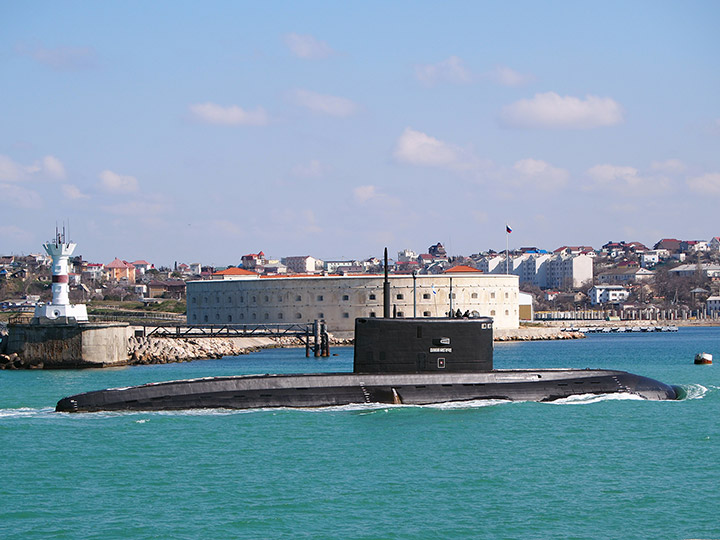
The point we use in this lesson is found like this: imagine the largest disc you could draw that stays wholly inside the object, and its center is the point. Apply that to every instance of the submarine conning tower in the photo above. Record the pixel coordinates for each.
(423, 345)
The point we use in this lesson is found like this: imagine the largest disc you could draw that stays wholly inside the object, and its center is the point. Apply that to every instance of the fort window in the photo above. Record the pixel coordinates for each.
(254, 316)
(298, 315)
(492, 295)
(372, 314)
(254, 299)
(267, 316)
(217, 316)
(242, 299)
(193, 300)
(217, 299)
(371, 297)
(400, 296)
(279, 298)
(320, 298)
(426, 313)
(267, 298)
(242, 315)
(229, 318)
(400, 314)
(346, 315)
(507, 296)
(298, 298)
(206, 318)
(194, 317)
(453, 295)
(280, 316)
(507, 312)
(229, 300)
(346, 297)
(426, 296)
(321, 315)
(492, 313)
(474, 295)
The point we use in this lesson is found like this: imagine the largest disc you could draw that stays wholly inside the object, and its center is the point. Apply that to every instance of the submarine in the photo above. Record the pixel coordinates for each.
(414, 361)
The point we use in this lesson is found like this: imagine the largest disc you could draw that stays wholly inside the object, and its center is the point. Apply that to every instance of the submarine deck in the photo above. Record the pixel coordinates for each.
(332, 389)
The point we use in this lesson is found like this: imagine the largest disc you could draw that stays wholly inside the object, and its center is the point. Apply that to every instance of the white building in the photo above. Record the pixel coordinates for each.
(407, 255)
(339, 300)
(686, 270)
(303, 264)
(713, 304)
(569, 271)
(339, 266)
(626, 275)
(543, 269)
(649, 258)
(607, 294)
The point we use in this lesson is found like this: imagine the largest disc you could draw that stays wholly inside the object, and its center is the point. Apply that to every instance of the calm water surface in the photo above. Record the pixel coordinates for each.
(601, 467)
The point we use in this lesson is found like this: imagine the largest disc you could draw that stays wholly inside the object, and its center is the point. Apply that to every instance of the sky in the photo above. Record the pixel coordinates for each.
(203, 131)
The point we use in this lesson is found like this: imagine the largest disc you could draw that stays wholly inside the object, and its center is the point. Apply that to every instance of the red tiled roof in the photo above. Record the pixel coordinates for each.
(461, 268)
(235, 272)
(141, 261)
(117, 263)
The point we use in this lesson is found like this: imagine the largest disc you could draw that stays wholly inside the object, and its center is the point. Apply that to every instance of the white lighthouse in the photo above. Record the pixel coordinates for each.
(60, 309)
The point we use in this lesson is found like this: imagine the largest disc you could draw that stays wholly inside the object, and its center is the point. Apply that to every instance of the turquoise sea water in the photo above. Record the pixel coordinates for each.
(600, 467)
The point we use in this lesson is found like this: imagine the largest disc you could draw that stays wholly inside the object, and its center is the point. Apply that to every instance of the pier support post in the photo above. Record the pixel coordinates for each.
(316, 337)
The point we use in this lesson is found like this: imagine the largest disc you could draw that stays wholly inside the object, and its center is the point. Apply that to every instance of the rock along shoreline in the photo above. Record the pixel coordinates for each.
(157, 350)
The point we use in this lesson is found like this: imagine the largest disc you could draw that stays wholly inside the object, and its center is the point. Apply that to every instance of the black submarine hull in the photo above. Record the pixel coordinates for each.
(325, 390)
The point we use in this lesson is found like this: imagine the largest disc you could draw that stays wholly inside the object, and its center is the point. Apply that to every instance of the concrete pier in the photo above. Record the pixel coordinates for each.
(73, 345)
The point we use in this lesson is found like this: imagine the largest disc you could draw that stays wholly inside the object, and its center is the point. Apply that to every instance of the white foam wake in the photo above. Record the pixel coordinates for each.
(26, 412)
(585, 399)
(695, 391)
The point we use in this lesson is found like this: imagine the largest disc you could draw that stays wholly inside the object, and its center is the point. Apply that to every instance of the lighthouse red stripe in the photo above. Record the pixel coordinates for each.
(60, 279)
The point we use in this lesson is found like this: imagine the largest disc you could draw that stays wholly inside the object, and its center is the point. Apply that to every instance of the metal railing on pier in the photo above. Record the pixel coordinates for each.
(314, 335)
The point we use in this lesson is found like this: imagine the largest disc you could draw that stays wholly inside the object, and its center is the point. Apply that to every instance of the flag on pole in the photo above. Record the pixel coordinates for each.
(507, 228)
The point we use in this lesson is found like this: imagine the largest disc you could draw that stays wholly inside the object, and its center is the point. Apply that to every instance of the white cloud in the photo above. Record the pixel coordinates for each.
(309, 223)
(232, 115)
(307, 47)
(451, 70)
(10, 171)
(627, 180)
(313, 169)
(707, 183)
(20, 196)
(53, 167)
(325, 104)
(670, 166)
(540, 174)
(116, 183)
(228, 228)
(362, 194)
(73, 192)
(612, 174)
(146, 209)
(62, 58)
(11, 232)
(506, 76)
(550, 110)
(49, 167)
(418, 148)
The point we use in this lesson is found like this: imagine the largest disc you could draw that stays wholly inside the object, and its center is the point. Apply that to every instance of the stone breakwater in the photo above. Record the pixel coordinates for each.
(535, 334)
(152, 350)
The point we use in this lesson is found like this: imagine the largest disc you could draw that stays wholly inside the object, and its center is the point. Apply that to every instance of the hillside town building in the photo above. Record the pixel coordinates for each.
(608, 294)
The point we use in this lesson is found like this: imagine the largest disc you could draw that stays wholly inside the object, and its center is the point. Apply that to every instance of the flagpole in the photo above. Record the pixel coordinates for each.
(507, 250)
